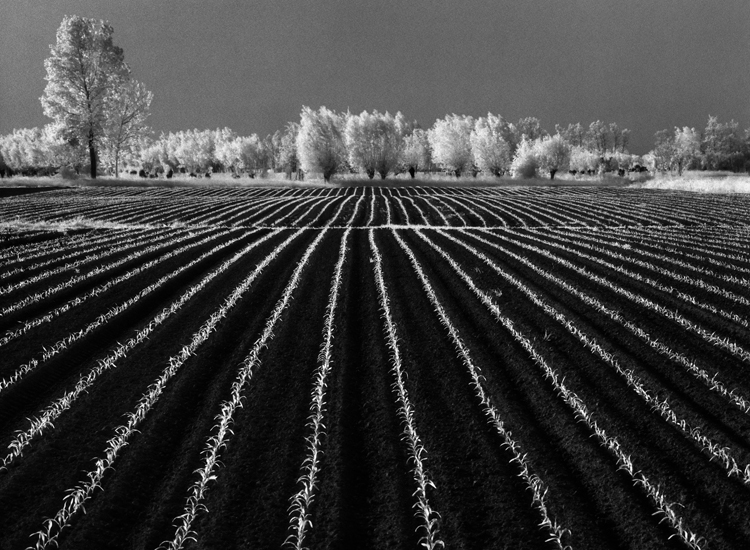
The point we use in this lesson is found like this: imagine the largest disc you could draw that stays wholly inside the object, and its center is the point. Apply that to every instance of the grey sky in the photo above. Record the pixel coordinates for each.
(252, 64)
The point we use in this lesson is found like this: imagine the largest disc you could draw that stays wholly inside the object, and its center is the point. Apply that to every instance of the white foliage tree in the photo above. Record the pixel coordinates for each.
(287, 155)
(128, 105)
(320, 141)
(450, 141)
(193, 149)
(151, 154)
(415, 151)
(227, 149)
(490, 150)
(254, 156)
(553, 154)
(687, 147)
(24, 149)
(525, 162)
(374, 142)
(583, 160)
(83, 72)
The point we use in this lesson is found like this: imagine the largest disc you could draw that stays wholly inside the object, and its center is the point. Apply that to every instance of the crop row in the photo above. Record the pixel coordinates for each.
(404, 206)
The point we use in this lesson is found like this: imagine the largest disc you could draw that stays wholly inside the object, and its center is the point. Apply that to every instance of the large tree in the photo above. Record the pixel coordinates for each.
(663, 153)
(574, 134)
(450, 141)
(553, 154)
(129, 107)
(415, 151)
(374, 141)
(598, 137)
(320, 141)
(491, 152)
(288, 159)
(83, 72)
(722, 145)
(687, 148)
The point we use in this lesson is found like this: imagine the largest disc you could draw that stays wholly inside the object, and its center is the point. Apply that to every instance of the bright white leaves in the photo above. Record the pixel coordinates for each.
(374, 142)
(222, 431)
(534, 483)
(320, 141)
(299, 521)
(491, 152)
(450, 140)
(417, 451)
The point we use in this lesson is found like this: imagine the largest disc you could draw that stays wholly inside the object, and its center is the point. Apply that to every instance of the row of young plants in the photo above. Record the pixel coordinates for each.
(264, 211)
(677, 257)
(246, 212)
(44, 419)
(429, 517)
(304, 202)
(489, 210)
(76, 497)
(717, 241)
(48, 352)
(701, 209)
(710, 336)
(557, 239)
(419, 210)
(222, 430)
(723, 247)
(98, 290)
(660, 405)
(35, 297)
(583, 214)
(326, 206)
(19, 248)
(534, 483)
(498, 210)
(101, 252)
(61, 250)
(503, 213)
(301, 502)
(61, 209)
(663, 506)
(711, 379)
(18, 237)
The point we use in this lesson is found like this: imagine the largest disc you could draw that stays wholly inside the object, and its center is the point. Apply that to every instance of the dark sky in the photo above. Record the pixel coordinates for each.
(252, 64)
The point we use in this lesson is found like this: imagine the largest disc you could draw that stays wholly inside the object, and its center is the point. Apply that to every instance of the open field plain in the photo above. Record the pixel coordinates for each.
(370, 368)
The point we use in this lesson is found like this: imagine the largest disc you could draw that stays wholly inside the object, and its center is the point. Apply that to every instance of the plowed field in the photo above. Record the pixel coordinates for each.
(369, 368)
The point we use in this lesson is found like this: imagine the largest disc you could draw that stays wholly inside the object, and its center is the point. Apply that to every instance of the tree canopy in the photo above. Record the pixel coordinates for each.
(89, 94)
(320, 141)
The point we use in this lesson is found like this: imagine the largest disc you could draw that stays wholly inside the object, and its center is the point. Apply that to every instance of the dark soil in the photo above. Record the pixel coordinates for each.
(364, 496)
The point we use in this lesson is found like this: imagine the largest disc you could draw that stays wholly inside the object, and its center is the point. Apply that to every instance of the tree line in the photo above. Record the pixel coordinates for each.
(98, 113)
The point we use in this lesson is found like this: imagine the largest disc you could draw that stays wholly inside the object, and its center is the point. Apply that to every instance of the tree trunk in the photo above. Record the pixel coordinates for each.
(92, 154)
(411, 171)
(552, 174)
(117, 163)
